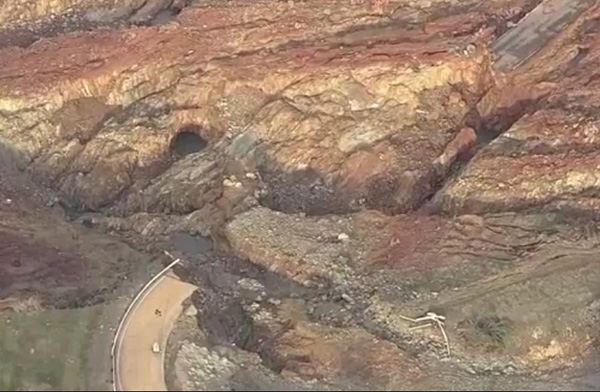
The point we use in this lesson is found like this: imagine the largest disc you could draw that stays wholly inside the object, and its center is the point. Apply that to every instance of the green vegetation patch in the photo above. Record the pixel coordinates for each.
(45, 350)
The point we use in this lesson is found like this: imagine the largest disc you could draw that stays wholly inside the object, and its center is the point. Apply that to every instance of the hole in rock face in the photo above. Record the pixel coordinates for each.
(188, 141)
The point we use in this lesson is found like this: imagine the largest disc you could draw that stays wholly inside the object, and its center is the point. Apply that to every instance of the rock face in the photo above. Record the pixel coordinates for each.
(546, 158)
(331, 124)
(49, 261)
(358, 164)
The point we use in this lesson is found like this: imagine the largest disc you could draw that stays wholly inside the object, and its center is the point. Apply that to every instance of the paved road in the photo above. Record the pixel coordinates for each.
(137, 367)
(535, 31)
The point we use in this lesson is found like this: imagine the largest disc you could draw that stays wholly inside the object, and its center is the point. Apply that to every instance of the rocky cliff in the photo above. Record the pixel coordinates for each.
(367, 155)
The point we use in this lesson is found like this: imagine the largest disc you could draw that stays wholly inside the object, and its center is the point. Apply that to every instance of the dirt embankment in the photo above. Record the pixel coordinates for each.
(354, 162)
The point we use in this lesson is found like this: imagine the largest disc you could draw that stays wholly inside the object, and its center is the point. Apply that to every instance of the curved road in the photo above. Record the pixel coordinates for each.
(149, 320)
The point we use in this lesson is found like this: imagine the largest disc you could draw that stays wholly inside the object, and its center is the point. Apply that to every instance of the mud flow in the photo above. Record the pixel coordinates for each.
(348, 195)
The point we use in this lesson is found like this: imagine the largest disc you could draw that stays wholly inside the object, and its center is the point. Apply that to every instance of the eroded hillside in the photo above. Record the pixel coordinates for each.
(354, 163)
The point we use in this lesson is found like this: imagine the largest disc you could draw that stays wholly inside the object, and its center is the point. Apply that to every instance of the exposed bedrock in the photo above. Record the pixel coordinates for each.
(355, 112)
(355, 163)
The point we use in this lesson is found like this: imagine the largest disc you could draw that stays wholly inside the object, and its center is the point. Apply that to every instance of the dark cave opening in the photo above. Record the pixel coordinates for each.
(188, 141)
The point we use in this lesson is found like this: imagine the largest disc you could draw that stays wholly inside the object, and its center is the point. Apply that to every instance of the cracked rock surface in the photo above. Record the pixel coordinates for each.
(329, 169)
